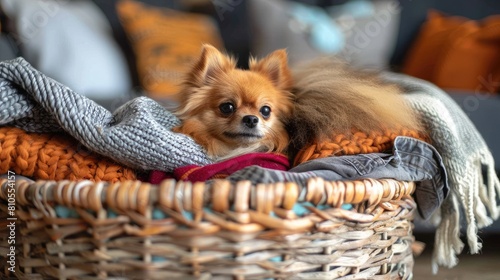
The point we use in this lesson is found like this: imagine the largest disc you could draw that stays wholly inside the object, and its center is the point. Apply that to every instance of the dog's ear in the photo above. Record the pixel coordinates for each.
(210, 64)
(275, 67)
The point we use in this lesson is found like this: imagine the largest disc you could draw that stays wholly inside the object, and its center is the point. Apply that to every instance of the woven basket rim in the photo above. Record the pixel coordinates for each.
(231, 225)
(215, 195)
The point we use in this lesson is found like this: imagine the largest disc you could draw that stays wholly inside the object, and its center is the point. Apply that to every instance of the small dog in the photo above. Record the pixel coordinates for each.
(230, 111)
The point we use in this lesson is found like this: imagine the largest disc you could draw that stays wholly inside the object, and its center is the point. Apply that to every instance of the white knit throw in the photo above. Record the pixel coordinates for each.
(474, 184)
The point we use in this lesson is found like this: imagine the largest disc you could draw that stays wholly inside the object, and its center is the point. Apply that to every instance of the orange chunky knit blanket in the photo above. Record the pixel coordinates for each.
(55, 157)
(356, 143)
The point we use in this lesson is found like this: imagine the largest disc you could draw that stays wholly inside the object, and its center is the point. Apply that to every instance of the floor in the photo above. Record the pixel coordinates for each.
(484, 266)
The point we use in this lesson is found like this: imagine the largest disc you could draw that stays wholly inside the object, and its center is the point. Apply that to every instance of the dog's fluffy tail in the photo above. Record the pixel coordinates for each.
(331, 98)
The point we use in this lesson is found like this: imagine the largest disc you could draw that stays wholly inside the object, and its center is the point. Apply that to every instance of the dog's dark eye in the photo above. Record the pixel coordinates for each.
(265, 111)
(227, 108)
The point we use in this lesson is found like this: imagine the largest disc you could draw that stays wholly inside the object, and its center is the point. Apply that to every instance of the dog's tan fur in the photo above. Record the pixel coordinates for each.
(331, 98)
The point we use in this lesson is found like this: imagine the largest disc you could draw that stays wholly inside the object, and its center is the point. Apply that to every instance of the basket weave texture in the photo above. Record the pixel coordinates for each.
(210, 230)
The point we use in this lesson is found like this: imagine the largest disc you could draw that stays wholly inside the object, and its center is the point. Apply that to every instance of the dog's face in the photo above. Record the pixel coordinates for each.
(227, 109)
(244, 108)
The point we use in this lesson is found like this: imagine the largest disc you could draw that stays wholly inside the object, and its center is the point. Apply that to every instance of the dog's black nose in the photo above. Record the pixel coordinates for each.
(250, 121)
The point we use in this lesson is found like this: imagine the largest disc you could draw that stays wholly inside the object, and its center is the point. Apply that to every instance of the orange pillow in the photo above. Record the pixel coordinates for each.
(457, 53)
(166, 43)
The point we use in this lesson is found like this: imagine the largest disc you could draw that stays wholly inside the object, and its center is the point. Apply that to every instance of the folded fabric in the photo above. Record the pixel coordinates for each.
(220, 170)
(49, 156)
(357, 143)
(411, 160)
(474, 185)
(137, 134)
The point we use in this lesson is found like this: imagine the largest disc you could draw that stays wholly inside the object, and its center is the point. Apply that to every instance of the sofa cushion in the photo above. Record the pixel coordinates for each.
(166, 43)
(457, 53)
(414, 14)
(108, 7)
(71, 42)
(365, 39)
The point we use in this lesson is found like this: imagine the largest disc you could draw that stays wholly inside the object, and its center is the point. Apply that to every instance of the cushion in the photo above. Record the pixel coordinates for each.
(108, 7)
(72, 42)
(51, 156)
(414, 14)
(166, 43)
(457, 53)
(365, 39)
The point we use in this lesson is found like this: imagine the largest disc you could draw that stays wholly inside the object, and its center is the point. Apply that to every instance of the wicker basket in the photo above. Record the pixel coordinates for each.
(213, 230)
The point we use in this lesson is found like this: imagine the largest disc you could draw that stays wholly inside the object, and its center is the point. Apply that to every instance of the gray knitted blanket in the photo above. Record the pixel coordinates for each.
(474, 185)
(138, 134)
(34, 102)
